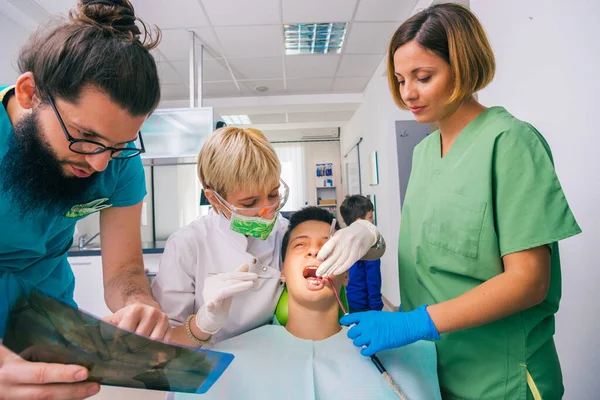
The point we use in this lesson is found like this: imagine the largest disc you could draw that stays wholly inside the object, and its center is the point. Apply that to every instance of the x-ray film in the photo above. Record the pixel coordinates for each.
(41, 328)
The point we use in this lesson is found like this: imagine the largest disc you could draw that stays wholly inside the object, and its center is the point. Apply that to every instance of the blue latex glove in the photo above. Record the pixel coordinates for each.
(381, 330)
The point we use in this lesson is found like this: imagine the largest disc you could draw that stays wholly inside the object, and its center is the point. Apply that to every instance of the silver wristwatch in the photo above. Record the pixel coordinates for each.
(380, 244)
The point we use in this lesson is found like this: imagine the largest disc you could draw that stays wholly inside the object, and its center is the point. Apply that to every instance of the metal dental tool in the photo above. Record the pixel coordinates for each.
(376, 361)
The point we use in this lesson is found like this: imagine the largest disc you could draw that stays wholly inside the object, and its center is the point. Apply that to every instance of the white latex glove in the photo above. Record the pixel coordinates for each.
(346, 247)
(218, 293)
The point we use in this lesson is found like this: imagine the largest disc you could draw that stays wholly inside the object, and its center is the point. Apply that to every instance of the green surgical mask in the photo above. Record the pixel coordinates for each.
(256, 227)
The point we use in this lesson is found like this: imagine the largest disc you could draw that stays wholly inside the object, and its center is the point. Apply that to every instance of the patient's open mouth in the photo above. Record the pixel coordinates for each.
(310, 274)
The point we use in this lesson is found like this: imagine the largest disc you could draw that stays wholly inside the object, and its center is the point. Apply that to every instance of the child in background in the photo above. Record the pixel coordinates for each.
(364, 284)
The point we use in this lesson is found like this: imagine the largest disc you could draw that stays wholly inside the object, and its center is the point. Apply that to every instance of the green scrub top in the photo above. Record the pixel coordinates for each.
(495, 192)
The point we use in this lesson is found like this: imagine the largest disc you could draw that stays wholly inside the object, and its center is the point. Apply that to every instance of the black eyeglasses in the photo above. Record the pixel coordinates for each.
(83, 146)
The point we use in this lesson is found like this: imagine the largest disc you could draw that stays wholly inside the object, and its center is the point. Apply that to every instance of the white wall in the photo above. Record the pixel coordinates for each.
(176, 198)
(548, 62)
(374, 122)
(147, 229)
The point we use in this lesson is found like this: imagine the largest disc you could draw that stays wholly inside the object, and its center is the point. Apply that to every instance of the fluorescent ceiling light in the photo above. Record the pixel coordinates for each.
(236, 119)
(322, 38)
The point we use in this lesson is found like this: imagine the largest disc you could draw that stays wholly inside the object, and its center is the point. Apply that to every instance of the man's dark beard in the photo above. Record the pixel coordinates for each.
(33, 176)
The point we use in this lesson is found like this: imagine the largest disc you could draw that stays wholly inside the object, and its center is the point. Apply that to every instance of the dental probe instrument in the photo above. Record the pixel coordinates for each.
(374, 359)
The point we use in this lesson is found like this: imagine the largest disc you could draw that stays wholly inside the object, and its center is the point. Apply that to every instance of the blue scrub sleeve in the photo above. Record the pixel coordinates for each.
(131, 183)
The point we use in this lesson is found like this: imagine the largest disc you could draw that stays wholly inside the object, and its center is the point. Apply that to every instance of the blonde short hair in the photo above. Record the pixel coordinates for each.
(238, 158)
(454, 33)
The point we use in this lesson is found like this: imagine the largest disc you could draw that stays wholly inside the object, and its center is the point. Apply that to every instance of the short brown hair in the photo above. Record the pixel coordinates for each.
(455, 34)
(101, 46)
(355, 207)
(238, 158)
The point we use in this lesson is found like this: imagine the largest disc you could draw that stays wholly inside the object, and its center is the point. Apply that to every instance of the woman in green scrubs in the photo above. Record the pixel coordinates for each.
(478, 256)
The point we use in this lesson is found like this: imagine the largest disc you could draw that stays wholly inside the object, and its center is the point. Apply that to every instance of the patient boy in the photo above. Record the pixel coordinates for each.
(311, 357)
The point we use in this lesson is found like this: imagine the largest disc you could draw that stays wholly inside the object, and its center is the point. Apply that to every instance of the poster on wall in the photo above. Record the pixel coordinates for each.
(352, 172)
(352, 178)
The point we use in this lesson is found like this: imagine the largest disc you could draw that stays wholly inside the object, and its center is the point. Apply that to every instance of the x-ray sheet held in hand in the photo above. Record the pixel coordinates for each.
(41, 328)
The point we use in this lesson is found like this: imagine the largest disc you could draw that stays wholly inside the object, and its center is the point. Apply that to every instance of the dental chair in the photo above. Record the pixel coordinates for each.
(281, 311)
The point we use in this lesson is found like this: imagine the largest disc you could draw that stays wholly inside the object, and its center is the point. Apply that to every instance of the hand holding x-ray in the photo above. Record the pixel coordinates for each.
(22, 379)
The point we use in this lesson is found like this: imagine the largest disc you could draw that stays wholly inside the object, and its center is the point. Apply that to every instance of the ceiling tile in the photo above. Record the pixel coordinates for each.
(56, 7)
(384, 10)
(257, 68)
(268, 118)
(220, 89)
(369, 37)
(311, 66)
(309, 11)
(319, 85)
(178, 91)
(359, 65)
(169, 75)
(251, 41)
(10, 48)
(158, 56)
(207, 37)
(178, 14)
(236, 12)
(350, 85)
(31, 10)
(214, 70)
(175, 44)
(276, 87)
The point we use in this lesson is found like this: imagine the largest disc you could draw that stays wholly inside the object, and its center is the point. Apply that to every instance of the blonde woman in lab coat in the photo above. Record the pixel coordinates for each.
(219, 277)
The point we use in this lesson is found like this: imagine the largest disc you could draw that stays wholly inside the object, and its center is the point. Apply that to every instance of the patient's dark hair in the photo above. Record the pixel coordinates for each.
(355, 207)
(306, 214)
(101, 46)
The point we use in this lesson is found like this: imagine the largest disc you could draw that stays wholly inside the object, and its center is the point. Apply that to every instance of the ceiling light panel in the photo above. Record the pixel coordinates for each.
(236, 119)
(321, 38)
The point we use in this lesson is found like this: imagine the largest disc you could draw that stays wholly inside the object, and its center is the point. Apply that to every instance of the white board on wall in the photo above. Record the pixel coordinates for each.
(352, 166)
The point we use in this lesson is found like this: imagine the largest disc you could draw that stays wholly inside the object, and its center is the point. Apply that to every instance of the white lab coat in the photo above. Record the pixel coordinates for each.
(208, 246)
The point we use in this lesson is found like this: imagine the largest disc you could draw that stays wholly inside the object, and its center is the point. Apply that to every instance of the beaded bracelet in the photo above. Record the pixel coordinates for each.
(191, 335)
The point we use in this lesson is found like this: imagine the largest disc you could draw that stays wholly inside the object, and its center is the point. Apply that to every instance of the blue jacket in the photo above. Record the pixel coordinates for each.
(364, 286)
